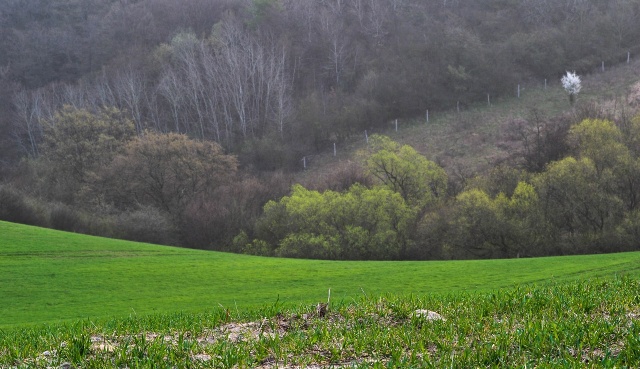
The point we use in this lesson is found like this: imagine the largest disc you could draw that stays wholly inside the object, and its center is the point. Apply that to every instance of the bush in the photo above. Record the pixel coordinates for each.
(359, 224)
(145, 225)
(270, 153)
(308, 246)
(14, 207)
(628, 232)
(339, 178)
(64, 218)
(212, 222)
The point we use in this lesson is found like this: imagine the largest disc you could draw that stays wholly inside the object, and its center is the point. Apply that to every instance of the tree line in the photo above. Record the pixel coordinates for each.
(96, 175)
(273, 78)
(587, 201)
(180, 123)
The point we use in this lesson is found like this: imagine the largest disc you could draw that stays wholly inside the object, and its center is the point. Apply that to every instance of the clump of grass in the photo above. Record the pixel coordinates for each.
(577, 324)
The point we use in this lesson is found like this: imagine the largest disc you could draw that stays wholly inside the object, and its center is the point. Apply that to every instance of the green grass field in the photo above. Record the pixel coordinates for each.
(584, 324)
(48, 276)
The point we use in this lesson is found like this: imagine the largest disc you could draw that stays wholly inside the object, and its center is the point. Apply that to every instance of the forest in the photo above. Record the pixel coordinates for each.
(184, 122)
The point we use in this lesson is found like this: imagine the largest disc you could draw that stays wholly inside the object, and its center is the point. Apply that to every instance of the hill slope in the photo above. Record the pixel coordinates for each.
(49, 276)
(473, 139)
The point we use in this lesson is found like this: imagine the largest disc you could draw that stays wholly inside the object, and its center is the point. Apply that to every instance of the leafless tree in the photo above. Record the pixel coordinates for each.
(103, 91)
(27, 129)
(129, 89)
(171, 89)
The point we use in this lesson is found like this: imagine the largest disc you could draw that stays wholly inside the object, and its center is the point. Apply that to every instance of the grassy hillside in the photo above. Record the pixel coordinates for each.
(473, 139)
(48, 276)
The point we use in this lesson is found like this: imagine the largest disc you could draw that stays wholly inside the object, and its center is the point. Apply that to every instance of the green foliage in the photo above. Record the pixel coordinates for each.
(361, 223)
(499, 226)
(576, 197)
(631, 135)
(168, 171)
(78, 145)
(600, 141)
(402, 169)
(628, 230)
(581, 204)
(79, 142)
(614, 154)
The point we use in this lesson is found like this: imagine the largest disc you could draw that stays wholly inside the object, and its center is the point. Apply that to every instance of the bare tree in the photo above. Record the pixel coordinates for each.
(210, 91)
(171, 89)
(27, 128)
(129, 89)
(103, 91)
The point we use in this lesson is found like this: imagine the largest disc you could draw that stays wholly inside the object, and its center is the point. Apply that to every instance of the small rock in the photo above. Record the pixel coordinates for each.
(66, 366)
(105, 347)
(428, 315)
(46, 353)
(202, 357)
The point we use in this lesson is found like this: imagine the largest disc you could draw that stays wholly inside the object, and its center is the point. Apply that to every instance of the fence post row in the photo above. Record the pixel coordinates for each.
(366, 135)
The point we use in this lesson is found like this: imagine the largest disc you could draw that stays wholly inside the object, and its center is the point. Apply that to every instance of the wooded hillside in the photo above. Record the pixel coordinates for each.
(177, 121)
(266, 75)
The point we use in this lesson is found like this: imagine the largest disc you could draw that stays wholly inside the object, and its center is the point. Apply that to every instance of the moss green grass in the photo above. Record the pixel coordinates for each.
(48, 276)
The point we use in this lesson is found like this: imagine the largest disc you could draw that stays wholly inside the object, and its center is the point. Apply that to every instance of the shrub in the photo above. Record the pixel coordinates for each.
(212, 221)
(147, 224)
(339, 178)
(361, 223)
(64, 218)
(307, 245)
(14, 207)
(270, 153)
(629, 231)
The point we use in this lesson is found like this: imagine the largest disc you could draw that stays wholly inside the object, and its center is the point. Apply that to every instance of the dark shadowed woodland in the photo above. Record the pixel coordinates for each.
(186, 123)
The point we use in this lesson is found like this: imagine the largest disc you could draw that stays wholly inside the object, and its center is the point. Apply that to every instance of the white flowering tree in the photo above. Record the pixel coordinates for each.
(572, 84)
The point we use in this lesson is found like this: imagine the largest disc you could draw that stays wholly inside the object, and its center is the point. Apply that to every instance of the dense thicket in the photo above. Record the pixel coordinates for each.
(254, 74)
(174, 121)
(583, 203)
